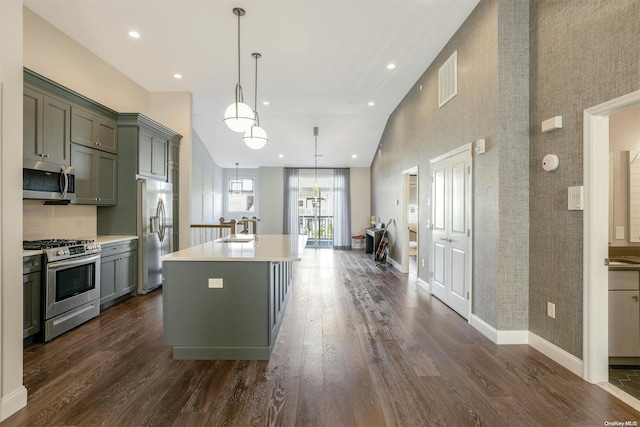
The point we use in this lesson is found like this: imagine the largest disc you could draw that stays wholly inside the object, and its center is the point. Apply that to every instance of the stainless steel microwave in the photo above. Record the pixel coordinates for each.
(46, 181)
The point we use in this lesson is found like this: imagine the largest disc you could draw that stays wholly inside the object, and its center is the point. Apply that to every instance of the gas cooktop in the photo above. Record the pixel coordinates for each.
(34, 245)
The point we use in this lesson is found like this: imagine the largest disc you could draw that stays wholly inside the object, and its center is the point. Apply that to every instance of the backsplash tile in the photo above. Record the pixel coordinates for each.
(57, 222)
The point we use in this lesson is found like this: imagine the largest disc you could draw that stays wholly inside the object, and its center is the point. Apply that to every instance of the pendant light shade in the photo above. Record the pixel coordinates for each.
(239, 116)
(255, 137)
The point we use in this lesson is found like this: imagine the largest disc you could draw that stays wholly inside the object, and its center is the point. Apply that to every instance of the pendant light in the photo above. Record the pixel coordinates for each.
(316, 188)
(238, 116)
(255, 137)
(236, 185)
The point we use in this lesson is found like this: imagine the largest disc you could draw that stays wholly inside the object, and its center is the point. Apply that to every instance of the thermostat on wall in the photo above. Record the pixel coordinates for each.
(550, 162)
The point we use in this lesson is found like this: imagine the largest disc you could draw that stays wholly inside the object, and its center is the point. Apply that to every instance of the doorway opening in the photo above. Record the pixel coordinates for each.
(315, 207)
(596, 234)
(410, 235)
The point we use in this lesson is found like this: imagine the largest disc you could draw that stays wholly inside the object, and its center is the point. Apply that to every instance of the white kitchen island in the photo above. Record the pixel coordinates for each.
(225, 299)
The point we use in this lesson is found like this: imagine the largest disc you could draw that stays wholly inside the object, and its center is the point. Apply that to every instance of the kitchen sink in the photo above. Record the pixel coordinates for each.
(236, 239)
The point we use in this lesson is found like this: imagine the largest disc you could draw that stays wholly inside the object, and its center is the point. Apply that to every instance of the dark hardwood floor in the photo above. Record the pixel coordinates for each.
(360, 345)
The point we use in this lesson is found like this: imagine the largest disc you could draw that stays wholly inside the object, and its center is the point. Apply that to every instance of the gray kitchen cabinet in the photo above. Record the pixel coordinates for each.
(46, 127)
(31, 286)
(174, 181)
(92, 130)
(152, 160)
(118, 270)
(96, 176)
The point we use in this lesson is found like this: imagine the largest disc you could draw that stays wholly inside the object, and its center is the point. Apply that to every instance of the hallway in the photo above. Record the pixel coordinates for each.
(359, 345)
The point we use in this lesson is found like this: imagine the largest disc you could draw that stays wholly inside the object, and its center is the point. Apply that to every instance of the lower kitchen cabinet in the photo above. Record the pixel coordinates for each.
(118, 270)
(624, 317)
(31, 295)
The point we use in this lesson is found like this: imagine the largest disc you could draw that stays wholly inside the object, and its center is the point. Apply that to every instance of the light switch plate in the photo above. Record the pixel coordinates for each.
(215, 283)
(619, 232)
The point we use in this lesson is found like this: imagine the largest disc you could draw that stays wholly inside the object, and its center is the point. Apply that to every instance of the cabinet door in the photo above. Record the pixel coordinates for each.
(624, 324)
(31, 304)
(159, 158)
(32, 113)
(174, 153)
(92, 130)
(106, 177)
(107, 135)
(56, 131)
(152, 155)
(96, 176)
(127, 273)
(82, 158)
(108, 278)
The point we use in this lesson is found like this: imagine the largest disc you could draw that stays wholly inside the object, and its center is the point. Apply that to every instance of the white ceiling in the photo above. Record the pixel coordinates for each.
(322, 62)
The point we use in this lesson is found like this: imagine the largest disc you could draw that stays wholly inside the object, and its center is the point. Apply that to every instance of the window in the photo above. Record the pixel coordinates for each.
(241, 196)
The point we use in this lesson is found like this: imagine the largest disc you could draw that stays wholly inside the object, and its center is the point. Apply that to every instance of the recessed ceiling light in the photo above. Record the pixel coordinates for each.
(134, 34)
(281, 155)
(371, 103)
(177, 76)
(265, 102)
(391, 66)
(354, 156)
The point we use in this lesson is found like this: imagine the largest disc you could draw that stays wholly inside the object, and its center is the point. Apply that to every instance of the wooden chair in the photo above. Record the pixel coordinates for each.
(202, 233)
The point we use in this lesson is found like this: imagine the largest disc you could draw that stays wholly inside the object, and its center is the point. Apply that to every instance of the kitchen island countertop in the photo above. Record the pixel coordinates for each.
(262, 247)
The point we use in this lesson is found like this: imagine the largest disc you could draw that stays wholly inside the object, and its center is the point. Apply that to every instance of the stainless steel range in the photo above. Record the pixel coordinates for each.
(71, 283)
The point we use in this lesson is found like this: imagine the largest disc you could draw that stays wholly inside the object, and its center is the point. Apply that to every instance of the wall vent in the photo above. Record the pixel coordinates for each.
(448, 79)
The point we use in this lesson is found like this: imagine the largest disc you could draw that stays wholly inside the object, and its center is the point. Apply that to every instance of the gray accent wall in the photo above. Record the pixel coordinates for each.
(583, 53)
(519, 63)
(492, 103)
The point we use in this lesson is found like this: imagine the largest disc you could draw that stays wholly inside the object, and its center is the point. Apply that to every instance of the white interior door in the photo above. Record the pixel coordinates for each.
(450, 235)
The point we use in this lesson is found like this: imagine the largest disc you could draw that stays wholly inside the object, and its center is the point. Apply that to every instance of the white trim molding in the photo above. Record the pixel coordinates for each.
(425, 286)
(555, 353)
(13, 402)
(499, 337)
(596, 184)
(394, 264)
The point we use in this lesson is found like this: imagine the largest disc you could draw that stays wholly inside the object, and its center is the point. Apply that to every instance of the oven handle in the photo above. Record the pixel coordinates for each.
(77, 261)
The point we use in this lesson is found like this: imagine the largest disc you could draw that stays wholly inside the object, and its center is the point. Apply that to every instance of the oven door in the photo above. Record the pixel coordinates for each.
(71, 283)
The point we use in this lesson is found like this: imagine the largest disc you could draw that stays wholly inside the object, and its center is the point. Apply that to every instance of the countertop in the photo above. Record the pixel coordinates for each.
(103, 240)
(264, 247)
(624, 263)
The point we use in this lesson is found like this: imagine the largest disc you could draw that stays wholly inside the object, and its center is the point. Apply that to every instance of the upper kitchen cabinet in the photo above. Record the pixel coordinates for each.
(149, 142)
(93, 130)
(95, 175)
(55, 116)
(45, 127)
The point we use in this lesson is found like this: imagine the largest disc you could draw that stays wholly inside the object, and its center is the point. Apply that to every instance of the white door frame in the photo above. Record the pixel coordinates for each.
(406, 188)
(596, 237)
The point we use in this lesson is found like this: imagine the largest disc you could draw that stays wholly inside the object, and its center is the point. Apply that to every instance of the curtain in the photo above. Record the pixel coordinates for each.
(341, 209)
(291, 196)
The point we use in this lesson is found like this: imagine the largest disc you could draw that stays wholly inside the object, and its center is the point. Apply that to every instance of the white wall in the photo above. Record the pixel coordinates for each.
(13, 395)
(360, 199)
(271, 196)
(55, 55)
(206, 186)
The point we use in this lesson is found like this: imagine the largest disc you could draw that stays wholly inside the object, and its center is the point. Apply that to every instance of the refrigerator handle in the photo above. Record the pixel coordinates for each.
(162, 219)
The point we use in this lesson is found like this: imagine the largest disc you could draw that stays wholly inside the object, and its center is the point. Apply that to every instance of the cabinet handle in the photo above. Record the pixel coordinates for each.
(635, 298)
(45, 155)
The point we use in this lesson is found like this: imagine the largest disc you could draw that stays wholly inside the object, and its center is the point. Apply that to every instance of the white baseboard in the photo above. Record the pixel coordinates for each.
(499, 337)
(394, 264)
(13, 402)
(557, 354)
(423, 285)
(485, 329)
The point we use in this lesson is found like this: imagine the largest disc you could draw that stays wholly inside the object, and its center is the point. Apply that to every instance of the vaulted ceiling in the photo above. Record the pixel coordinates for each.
(323, 62)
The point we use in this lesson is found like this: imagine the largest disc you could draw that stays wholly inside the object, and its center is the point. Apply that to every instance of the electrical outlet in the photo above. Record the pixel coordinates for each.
(423, 262)
(619, 233)
(551, 310)
(215, 283)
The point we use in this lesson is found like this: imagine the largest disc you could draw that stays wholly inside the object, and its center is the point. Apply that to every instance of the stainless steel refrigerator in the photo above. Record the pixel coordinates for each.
(155, 231)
